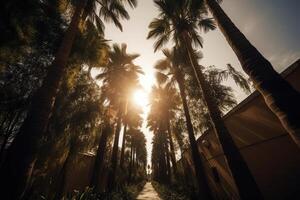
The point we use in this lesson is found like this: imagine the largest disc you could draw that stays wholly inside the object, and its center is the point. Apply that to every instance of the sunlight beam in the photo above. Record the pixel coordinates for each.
(140, 98)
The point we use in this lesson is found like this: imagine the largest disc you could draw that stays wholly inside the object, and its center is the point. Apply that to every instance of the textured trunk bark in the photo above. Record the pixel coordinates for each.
(4, 143)
(114, 156)
(61, 186)
(167, 153)
(173, 158)
(135, 161)
(8, 133)
(162, 160)
(4, 120)
(204, 190)
(99, 159)
(248, 189)
(17, 169)
(123, 147)
(131, 163)
(6, 136)
(279, 95)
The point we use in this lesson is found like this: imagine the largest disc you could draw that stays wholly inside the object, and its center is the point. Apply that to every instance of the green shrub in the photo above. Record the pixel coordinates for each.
(127, 192)
(169, 193)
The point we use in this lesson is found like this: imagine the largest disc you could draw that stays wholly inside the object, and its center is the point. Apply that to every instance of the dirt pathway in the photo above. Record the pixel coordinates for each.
(148, 193)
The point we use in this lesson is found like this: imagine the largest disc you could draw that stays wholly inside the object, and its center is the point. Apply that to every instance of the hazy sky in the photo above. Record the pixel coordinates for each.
(273, 26)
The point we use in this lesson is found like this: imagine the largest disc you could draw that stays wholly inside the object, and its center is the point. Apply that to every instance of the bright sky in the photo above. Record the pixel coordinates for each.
(273, 26)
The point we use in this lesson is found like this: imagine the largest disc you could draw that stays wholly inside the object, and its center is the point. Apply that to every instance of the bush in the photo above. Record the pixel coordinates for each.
(168, 193)
(128, 192)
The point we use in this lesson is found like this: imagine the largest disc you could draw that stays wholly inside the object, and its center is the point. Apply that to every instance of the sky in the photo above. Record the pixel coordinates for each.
(273, 26)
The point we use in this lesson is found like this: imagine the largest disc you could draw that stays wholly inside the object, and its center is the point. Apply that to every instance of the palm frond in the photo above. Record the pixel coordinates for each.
(118, 8)
(239, 79)
(100, 25)
(132, 3)
(162, 65)
(161, 77)
(158, 26)
(207, 24)
(162, 40)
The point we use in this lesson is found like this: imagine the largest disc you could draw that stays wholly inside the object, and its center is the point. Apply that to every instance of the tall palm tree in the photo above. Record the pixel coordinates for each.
(157, 123)
(16, 172)
(138, 154)
(183, 21)
(279, 95)
(133, 120)
(106, 130)
(169, 101)
(120, 77)
(171, 65)
(223, 95)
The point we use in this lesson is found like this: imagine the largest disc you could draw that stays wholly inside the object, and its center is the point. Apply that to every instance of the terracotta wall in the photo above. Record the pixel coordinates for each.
(273, 158)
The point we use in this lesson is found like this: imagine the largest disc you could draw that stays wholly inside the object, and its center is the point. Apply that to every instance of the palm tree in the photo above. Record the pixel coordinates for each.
(171, 65)
(120, 77)
(223, 95)
(138, 154)
(157, 124)
(168, 104)
(133, 120)
(183, 25)
(279, 95)
(16, 172)
(106, 130)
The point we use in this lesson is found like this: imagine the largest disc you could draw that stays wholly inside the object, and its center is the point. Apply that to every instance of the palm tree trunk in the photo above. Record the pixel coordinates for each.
(6, 136)
(3, 120)
(135, 161)
(173, 158)
(279, 95)
(204, 190)
(99, 158)
(8, 133)
(123, 147)
(162, 174)
(131, 163)
(167, 153)
(245, 182)
(114, 157)
(17, 170)
(61, 185)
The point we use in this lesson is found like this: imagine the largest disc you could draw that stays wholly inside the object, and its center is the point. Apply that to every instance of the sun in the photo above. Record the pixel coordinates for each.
(140, 97)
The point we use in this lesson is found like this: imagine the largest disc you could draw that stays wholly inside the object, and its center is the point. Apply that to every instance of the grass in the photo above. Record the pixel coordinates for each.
(168, 193)
(128, 192)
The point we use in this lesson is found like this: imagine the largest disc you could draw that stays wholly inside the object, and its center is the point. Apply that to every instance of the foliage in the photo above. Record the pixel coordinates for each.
(173, 22)
(169, 193)
(127, 192)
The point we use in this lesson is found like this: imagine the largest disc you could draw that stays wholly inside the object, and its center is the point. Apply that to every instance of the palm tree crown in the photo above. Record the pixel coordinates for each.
(177, 18)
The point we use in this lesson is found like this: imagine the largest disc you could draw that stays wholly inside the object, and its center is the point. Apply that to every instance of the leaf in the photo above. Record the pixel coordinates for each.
(207, 24)
(161, 77)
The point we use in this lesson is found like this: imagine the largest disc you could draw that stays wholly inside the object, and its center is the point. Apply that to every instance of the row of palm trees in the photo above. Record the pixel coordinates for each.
(183, 21)
(176, 87)
(119, 76)
(120, 79)
(164, 103)
(21, 157)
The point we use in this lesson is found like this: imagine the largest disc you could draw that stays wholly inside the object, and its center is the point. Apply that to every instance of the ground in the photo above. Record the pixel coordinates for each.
(148, 193)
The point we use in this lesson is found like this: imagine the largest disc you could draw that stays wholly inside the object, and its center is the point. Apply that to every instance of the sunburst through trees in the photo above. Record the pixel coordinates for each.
(79, 111)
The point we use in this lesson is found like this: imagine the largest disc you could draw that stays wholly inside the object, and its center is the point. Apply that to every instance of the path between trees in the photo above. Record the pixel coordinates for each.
(148, 193)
